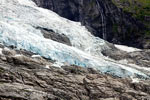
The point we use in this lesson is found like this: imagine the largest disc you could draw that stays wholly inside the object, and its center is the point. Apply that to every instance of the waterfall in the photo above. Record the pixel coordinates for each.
(53, 5)
(103, 19)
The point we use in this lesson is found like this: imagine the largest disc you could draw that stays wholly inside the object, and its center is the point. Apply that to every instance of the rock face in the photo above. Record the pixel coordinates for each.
(140, 58)
(101, 17)
(50, 34)
(23, 77)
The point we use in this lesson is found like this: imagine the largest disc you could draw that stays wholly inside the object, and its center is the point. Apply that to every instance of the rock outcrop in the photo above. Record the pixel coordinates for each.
(24, 77)
(141, 58)
(50, 34)
(101, 17)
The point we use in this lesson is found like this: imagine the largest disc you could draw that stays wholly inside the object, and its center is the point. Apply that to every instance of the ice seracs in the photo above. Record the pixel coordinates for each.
(19, 22)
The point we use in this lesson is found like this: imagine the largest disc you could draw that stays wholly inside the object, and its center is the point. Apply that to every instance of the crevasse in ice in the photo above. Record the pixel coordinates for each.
(18, 22)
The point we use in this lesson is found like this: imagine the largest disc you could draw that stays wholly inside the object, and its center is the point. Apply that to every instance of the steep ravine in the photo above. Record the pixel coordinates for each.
(102, 18)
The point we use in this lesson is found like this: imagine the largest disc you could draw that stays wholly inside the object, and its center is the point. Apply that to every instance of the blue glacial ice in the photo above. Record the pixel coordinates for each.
(18, 22)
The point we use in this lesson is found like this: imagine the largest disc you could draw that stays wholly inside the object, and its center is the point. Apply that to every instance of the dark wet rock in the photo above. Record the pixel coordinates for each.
(50, 34)
(114, 53)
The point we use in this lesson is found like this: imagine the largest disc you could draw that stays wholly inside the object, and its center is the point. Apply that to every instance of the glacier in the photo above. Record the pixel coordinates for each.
(19, 20)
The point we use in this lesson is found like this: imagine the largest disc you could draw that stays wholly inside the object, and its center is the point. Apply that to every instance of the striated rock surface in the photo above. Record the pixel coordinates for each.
(23, 77)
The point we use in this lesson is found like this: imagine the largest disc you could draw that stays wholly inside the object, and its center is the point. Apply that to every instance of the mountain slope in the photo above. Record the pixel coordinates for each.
(46, 57)
(139, 9)
(102, 18)
(21, 30)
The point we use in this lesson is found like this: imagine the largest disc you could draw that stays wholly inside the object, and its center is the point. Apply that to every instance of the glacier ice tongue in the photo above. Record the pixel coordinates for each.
(39, 17)
(18, 22)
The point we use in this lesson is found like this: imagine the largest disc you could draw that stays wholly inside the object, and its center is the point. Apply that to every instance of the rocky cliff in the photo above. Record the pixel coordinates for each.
(102, 18)
(27, 77)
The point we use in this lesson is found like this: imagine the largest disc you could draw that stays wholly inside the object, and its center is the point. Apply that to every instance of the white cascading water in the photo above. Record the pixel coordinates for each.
(19, 20)
(102, 19)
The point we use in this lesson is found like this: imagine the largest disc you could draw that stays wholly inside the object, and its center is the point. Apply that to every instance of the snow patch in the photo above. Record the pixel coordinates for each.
(135, 80)
(18, 55)
(125, 61)
(47, 66)
(1, 51)
(6, 49)
(36, 56)
(126, 48)
(57, 64)
(139, 67)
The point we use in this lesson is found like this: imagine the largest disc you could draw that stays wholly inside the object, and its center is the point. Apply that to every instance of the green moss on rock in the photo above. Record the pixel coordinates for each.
(140, 9)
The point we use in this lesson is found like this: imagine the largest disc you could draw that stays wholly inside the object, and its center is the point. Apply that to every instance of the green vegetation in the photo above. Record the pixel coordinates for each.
(140, 9)
(1, 70)
(115, 28)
